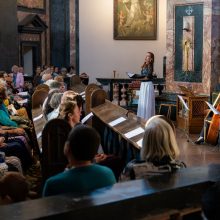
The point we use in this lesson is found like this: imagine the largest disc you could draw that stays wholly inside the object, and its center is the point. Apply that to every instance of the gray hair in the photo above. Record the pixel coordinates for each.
(55, 100)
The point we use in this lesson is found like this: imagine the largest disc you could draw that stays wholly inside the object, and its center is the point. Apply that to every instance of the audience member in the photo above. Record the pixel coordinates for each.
(84, 176)
(46, 108)
(158, 153)
(55, 105)
(70, 112)
(37, 77)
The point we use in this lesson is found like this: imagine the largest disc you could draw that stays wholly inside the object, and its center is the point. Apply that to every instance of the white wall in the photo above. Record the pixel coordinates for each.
(100, 54)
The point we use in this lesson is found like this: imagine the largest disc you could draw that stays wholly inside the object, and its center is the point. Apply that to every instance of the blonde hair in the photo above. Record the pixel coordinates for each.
(66, 108)
(159, 140)
(68, 95)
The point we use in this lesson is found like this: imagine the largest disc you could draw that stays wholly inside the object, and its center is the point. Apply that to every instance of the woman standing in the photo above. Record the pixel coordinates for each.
(146, 102)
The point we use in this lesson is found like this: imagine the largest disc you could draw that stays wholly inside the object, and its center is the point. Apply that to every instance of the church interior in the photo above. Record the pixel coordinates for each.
(110, 109)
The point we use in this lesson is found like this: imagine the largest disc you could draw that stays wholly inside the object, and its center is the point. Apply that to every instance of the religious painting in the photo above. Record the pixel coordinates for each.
(188, 43)
(135, 19)
(32, 4)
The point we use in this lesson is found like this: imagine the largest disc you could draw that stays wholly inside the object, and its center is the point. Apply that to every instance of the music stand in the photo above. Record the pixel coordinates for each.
(185, 112)
(216, 112)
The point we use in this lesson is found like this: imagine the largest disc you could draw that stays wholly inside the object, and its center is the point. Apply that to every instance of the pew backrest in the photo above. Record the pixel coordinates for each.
(138, 199)
(54, 136)
(38, 98)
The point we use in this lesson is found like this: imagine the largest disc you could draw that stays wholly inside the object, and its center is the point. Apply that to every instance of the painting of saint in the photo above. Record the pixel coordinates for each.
(135, 19)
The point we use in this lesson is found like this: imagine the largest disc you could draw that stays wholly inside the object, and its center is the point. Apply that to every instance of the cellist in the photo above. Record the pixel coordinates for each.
(212, 127)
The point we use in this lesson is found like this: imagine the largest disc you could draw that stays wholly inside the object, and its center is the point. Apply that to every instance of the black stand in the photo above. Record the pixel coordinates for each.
(185, 114)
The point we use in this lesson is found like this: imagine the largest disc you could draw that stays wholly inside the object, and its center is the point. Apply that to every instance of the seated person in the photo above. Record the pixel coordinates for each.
(84, 176)
(4, 114)
(46, 108)
(206, 126)
(158, 153)
(54, 104)
(16, 147)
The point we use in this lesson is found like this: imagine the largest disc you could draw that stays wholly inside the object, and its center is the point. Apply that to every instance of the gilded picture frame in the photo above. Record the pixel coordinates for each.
(135, 19)
(31, 5)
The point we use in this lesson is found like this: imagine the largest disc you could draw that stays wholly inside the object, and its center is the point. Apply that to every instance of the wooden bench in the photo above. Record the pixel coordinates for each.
(54, 136)
(38, 97)
(169, 195)
(105, 112)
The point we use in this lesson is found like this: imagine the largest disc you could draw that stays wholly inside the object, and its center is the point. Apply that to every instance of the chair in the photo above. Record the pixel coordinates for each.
(76, 84)
(54, 136)
(168, 110)
(42, 86)
(38, 98)
(208, 120)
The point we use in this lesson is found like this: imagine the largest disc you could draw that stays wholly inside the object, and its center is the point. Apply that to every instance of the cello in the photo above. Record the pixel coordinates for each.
(214, 128)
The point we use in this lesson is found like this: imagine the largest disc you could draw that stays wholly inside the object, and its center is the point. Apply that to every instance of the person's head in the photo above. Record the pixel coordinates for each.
(46, 76)
(166, 119)
(73, 96)
(211, 202)
(3, 83)
(53, 84)
(82, 143)
(51, 69)
(13, 187)
(59, 78)
(38, 70)
(63, 71)
(71, 69)
(3, 94)
(14, 69)
(68, 95)
(70, 112)
(56, 69)
(20, 69)
(159, 141)
(55, 100)
(149, 59)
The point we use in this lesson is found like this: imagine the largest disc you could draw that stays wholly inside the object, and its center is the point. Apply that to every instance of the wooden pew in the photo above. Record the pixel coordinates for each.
(38, 97)
(88, 92)
(106, 112)
(76, 85)
(54, 136)
(170, 196)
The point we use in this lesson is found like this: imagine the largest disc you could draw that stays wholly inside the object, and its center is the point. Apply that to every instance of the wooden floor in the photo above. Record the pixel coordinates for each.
(196, 155)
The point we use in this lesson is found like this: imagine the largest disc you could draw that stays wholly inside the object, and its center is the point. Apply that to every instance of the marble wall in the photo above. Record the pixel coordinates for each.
(211, 49)
(73, 5)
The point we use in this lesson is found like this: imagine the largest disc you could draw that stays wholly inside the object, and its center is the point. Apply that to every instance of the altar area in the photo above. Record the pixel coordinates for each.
(125, 91)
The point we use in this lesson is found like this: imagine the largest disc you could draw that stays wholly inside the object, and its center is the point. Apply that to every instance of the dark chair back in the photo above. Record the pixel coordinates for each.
(42, 86)
(54, 136)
